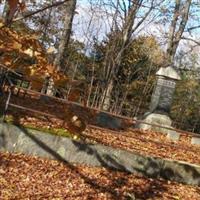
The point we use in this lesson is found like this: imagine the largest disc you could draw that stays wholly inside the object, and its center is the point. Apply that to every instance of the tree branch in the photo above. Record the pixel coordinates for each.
(37, 11)
(144, 18)
(192, 40)
(193, 27)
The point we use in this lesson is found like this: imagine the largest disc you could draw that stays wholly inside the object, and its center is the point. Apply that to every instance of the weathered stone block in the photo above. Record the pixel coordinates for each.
(156, 119)
(173, 135)
(181, 172)
(69, 151)
(195, 140)
(108, 121)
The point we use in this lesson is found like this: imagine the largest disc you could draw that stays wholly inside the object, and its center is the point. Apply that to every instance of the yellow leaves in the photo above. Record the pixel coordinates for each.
(25, 53)
(136, 84)
(61, 81)
(145, 47)
(176, 197)
(32, 71)
(6, 60)
(192, 83)
(25, 47)
(7, 63)
(50, 69)
(16, 45)
(51, 50)
(31, 52)
(1, 24)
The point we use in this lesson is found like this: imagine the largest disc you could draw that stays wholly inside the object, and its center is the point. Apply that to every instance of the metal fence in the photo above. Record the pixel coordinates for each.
(13, 84)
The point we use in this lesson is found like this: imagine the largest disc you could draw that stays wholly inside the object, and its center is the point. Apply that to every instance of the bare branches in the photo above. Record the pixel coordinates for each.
(173, 28)
(145, 17)
(191, 39)
(184, 20)
(175, 36)
(193, 28)
(38, 11)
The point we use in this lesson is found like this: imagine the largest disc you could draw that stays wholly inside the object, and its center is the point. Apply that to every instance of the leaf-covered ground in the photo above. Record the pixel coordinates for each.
(146, 143)
(25, 177)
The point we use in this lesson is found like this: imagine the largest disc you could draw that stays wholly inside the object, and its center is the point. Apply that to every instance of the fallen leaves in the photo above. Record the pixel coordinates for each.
(26, 177)
(144, 142)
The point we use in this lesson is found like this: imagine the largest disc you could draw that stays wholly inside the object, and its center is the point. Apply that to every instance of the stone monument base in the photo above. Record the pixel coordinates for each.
(157, 119)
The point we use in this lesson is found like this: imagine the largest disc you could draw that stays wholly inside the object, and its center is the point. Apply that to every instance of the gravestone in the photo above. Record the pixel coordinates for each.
(162, 97)
(195, 140)
(173, 135)
(108, 121)
(161, 101)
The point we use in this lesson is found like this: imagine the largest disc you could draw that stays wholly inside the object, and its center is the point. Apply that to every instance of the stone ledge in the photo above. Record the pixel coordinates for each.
(156, 119)
(19, 139)
(195, 141)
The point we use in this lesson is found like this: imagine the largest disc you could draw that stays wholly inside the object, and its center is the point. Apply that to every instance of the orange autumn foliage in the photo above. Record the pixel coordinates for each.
(24, 53)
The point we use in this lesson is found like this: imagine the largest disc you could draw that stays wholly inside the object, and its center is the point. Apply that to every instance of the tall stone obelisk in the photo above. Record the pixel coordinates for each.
(161, 100)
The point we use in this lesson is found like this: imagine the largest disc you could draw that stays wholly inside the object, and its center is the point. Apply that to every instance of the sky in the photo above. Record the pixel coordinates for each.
(100, 25)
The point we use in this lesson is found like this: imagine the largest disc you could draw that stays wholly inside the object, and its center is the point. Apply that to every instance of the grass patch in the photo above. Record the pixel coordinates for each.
(54, 131)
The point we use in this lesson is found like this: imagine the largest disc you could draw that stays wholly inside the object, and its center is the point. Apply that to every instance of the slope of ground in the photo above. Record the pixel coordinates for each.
(25, 177)
(144, 142)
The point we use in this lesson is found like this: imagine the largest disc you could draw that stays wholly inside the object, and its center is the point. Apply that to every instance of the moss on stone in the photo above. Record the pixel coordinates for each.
(53, 131)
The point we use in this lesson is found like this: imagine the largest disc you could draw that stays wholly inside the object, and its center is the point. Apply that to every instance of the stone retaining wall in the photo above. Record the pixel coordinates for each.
(19, 139)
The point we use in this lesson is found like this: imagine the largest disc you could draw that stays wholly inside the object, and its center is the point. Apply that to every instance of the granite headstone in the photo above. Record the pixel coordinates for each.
(161, 103)
(162, 96)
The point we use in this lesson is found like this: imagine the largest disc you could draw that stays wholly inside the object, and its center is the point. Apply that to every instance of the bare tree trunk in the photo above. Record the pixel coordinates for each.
(107, 96)
(73, 76)
(176, 27)
(5, 10)
(114, 58)
(95, 98)
(8, 12)
(48, 87)
(91, 86)
(59, 61)
(113, 63)
(45, 26)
